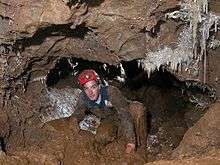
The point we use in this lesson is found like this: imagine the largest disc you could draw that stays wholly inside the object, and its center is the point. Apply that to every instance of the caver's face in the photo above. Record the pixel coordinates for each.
(92, 90)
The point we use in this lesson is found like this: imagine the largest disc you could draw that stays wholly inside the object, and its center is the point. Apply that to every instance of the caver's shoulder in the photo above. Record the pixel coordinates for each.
(113, 89)
(116, 96)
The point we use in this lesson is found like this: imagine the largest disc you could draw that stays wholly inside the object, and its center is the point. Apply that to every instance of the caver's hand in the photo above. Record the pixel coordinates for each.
(108, 103)
(130, 147)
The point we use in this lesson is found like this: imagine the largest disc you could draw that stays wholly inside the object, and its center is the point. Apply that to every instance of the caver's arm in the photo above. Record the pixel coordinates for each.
(116, 98)
(104, 113)
(121, 104)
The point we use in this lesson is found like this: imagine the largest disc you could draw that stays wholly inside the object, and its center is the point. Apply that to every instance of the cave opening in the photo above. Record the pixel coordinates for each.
(66, 70)
(172, 106)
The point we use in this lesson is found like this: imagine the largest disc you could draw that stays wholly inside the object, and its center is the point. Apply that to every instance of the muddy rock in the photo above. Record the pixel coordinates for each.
(120, 29)
(213, 70)
(35, 157)
(67, 125)
(203, 136)
(12, 160)
(4, 123)
(212, 158)
(28, 16)
(193, 115)
(36, 35)
(106, 133)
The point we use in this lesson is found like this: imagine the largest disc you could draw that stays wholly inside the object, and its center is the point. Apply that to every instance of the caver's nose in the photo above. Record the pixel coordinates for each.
(90, 92)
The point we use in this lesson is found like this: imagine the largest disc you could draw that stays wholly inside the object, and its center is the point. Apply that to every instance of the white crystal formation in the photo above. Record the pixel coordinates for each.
(171, 57)
(63, 102)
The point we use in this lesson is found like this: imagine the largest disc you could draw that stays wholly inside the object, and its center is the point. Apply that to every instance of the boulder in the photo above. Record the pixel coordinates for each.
(203, 136)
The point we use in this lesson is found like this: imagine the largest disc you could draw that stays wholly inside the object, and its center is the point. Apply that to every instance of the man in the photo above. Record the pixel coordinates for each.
(106, 103)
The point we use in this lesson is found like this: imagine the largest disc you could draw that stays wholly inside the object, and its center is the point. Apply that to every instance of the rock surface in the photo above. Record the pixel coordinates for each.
(203, 136)
(211, 158)
(36, 35)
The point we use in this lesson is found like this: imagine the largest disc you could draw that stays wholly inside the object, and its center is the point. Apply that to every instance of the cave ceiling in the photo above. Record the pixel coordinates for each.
(37, 33)
(116, 29)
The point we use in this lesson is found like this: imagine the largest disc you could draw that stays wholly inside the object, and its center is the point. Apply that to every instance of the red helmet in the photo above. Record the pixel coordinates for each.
(86, 76)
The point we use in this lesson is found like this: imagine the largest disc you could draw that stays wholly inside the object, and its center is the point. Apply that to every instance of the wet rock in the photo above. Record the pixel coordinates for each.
(214, 6)
(120, 29)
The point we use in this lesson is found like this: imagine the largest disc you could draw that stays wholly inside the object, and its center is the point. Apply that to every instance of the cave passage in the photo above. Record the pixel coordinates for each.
(169, 112)
(67, 70)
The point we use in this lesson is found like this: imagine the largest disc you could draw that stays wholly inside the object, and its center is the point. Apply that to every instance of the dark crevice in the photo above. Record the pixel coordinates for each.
(169, 10)
(156, 29)
(3, 145)
(55, 30)
(60, 71)
(153, 32)
(7, 18)
(6, 4)
(5, 48)
(91, 3)
(48, 51)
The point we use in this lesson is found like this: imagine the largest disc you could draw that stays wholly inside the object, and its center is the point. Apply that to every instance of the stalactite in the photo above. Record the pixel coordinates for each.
(214, 43)
(168, 56)
(122, 70)
(201, 21)
(122, 76)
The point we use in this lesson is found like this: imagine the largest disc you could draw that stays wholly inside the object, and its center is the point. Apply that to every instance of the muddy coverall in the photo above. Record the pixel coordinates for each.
(118, 114)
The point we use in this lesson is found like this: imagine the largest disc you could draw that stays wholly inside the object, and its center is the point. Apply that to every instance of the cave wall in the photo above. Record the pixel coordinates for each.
(214, 69)
(36, 34)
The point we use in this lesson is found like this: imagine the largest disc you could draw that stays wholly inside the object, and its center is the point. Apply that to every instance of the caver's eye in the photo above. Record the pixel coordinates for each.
(92, 87)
